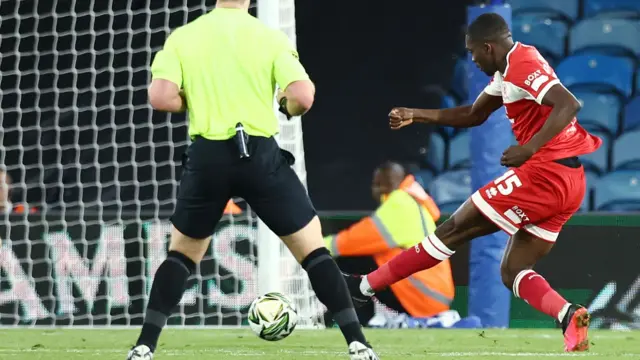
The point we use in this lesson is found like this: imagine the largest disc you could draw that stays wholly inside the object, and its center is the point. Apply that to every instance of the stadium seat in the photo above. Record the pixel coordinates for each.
(631, 119)
(436, 153)
(448, 101)
(598, 73)
(638, 80)
(459, 84)
(606, 36)
(618, 191)
(598, 161)
(566, 9)
(459, 151)
(451, 189)
(600, 112)
(424, 177)
(626, 151)
(592, 180)
(612, 8)
(546, 34)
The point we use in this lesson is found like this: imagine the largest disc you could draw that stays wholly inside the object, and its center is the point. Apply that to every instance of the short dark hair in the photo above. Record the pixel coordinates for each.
(488, 27)
(392, 166)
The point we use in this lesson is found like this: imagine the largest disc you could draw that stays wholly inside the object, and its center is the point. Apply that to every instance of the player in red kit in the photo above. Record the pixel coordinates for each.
(542, 187)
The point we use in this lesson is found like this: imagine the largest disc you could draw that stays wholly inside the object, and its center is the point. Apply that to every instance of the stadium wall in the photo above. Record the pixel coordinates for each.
(87, 270)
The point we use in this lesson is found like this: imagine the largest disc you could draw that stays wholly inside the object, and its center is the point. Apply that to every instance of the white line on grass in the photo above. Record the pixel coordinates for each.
(312, 353)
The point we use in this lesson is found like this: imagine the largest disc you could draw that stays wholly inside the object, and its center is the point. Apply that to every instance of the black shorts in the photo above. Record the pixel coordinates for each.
(213, 173)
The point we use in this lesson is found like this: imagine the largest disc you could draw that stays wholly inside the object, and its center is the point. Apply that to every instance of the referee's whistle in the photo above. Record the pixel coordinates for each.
(241, 139)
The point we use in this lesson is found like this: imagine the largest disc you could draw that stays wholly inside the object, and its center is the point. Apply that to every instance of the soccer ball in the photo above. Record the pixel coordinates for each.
(272, 316)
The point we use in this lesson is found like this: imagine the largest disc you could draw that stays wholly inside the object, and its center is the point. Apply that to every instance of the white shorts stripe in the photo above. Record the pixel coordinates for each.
(493, 215)
(543, 234)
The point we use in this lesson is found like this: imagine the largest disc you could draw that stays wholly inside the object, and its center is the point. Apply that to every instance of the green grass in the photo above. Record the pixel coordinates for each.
(75, 344)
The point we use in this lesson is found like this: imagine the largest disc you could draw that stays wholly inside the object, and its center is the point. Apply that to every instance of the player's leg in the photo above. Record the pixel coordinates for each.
(326, 280)
(365, 265)
(465, 224)
(523, 252)
(280, 200)
(202, 197)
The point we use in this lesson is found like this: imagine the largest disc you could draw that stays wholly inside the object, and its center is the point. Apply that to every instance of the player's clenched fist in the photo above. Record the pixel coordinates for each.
(400, 117)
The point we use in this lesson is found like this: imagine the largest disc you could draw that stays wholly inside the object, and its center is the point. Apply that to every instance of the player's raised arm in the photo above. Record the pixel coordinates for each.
(165, 89)
(461, 116)
(565, 108)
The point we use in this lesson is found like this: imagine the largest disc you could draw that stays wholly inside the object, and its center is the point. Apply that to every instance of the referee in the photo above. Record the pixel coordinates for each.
(223, 68)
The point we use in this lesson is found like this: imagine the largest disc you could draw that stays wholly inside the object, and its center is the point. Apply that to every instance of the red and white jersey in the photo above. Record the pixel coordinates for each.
(526, 80)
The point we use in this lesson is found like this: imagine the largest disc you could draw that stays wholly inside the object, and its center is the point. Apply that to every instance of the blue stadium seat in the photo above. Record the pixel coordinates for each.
(638, 80)
(448, 101)
(618, 191)
(631, 118)
(459, 151)
(600, 112)
(546, 34)
(448, 131)
(612, 8)
(626, 151)
(567, 9)
(459, 83)
(451, 189)
(606, 36)
(436, 153)
(592, 180)
(598, 161)
(424, 177)
(598, 73)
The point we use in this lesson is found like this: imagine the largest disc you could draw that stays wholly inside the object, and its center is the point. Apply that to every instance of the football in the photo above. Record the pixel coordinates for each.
(272, 316)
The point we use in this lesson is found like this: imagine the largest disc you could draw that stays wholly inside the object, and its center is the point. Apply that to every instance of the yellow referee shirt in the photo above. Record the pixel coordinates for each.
(228, 63)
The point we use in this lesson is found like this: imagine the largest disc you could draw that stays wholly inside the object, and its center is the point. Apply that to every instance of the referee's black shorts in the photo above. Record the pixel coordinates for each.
(213, 173)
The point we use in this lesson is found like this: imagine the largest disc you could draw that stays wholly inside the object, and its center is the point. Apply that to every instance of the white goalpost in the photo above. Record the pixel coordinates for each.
(288, 278)
(97, 172)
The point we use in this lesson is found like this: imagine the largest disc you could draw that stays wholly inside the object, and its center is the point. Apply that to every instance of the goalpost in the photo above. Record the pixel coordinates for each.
(289, 278)
(85, 150)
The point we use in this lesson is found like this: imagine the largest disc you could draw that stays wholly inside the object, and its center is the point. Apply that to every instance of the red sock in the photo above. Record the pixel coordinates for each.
(423, 256)
(536, 291)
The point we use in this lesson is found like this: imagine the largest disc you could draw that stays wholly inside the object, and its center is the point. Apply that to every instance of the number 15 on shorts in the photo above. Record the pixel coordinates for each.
(505, 184)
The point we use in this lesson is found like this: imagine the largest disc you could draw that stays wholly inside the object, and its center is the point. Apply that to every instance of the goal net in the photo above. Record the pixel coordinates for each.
(94, 173)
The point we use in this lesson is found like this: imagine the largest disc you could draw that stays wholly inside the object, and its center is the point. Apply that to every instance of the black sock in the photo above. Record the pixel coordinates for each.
(168, 286)
(331, 289)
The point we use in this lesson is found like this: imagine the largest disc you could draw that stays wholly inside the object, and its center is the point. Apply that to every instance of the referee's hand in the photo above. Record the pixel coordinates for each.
(280, 96)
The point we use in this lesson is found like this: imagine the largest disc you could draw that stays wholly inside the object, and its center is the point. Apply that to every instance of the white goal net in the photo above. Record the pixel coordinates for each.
(94, 173)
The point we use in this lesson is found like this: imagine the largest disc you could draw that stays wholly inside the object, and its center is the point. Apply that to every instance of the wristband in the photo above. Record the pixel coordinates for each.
(283, 108)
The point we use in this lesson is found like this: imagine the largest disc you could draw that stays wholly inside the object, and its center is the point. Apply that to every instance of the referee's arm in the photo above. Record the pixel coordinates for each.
(299, 93)
(165, 90)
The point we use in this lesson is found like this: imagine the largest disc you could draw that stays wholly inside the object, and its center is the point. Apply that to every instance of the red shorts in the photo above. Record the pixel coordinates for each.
(538, 198)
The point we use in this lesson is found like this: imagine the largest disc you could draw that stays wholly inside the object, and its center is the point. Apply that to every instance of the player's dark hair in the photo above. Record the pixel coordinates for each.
(488, 27)
(392, 165)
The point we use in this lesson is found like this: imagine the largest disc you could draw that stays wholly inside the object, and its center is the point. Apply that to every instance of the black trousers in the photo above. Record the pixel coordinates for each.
(213, 173)
(365, 265)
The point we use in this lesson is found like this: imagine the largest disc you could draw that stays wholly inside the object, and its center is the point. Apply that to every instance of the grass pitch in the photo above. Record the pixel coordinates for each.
(218, 344)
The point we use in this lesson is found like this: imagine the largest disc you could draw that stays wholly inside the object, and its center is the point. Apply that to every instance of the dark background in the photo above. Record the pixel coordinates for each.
(74, 74)
(366, 59)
